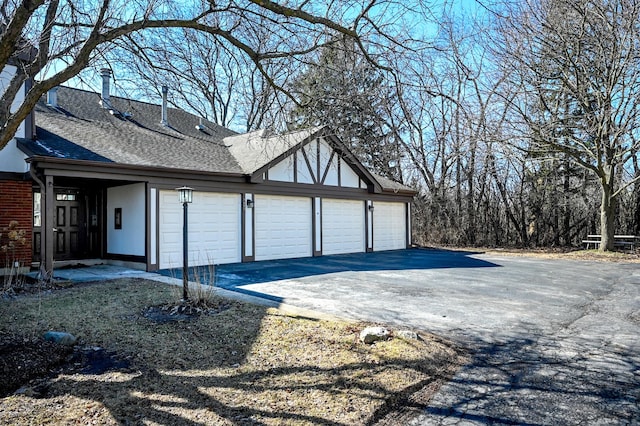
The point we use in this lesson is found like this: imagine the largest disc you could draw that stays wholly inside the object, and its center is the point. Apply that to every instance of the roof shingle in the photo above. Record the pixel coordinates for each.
(134, 138)
(130, 133)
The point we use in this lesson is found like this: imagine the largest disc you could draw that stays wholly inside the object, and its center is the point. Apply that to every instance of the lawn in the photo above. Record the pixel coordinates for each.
(238, 364)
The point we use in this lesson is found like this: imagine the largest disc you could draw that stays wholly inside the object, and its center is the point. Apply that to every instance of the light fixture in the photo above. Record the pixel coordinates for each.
(370, 207)
(249, 203)
(185, 194)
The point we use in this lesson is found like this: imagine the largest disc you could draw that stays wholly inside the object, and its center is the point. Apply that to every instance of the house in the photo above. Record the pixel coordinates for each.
(95, 175)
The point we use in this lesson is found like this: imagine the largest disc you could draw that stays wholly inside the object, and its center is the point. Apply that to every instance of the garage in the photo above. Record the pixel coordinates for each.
(343, 226)
(282, 227)
(389, 226)
(214, 229)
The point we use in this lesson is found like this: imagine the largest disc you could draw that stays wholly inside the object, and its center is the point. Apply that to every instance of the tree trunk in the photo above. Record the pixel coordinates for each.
(566, 208)
(607, 218)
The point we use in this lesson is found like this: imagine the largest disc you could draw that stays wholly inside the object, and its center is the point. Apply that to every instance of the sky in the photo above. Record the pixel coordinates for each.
(90, 79)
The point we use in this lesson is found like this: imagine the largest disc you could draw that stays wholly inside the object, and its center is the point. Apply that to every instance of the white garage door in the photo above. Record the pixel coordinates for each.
(342, 226)
(214, 229)
(283, 227)
(389, 226)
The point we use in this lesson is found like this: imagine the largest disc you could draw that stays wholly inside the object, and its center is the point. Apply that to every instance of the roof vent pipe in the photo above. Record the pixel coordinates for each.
(200, 126)
(163, 119)
(52, 97)
(104, 98)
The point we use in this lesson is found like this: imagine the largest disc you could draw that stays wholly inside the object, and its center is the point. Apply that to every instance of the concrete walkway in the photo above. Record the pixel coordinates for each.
(97, 273)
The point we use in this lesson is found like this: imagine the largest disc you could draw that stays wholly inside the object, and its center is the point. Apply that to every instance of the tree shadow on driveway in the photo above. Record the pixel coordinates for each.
(542, 380)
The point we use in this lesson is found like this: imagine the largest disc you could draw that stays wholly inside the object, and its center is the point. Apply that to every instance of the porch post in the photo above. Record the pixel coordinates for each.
(48, 225)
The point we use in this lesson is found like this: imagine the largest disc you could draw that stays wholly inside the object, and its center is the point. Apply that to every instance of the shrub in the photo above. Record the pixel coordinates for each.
(12, 239)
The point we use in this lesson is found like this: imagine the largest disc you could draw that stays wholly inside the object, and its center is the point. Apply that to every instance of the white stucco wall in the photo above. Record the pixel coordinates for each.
(283, 171)
(11, 158)
(130, 240)
(348, 177)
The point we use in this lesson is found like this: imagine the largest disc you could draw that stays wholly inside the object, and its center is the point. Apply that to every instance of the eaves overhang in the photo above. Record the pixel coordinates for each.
(405, 192)
(72, 167)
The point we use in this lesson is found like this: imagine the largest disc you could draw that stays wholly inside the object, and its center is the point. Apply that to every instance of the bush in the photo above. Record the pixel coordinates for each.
(12, 239)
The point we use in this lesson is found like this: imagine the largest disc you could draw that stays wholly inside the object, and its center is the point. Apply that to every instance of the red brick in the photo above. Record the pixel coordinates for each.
(16, 203)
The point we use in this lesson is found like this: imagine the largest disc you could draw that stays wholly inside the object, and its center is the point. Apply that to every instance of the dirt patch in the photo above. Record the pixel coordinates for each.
(26, 363)
(185, 311)
(23, 359)
(29, 286)
(95, 360)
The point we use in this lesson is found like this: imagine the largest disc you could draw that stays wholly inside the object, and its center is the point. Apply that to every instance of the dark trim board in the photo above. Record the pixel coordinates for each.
(148, 230)
(407, 224)
(58, 165)
(126, 258)
(369, 231)
(157, 230)
(207, 181)
(237, 186)
(244, 212)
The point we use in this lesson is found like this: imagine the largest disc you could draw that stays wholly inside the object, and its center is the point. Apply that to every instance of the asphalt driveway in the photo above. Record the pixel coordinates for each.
(553, 341)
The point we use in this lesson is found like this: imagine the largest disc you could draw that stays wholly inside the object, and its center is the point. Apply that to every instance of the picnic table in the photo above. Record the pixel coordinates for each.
(629, 242)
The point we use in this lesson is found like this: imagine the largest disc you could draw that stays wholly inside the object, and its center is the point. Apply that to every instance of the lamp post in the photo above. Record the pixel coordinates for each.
(185, 196)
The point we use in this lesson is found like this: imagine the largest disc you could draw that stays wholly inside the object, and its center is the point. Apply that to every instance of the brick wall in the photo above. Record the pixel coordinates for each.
(16, 204)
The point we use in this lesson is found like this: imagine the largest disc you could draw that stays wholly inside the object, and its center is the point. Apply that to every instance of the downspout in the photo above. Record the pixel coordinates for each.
(46, 271)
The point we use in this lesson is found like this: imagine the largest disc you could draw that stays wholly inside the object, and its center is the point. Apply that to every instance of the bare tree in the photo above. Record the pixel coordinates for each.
(577, 66)
(449, 118)
(209, 77)
(55, 40)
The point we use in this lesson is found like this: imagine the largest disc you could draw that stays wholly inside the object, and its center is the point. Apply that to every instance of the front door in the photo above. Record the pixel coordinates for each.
(69, 232)
(76, 220)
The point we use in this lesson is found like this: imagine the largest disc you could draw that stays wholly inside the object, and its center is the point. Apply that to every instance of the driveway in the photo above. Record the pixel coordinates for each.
(553, 341)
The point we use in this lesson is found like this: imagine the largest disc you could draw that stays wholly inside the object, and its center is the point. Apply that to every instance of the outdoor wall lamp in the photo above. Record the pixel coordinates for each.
(370, 207)
(250, 203)
(185, 196)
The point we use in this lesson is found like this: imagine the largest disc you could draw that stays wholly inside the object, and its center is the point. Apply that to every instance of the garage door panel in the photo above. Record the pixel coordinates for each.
(282, 227)
(214, 229)
(389, 226)
(343, 226)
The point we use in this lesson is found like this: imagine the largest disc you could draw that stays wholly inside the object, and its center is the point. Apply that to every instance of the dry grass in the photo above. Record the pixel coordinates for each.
(245, 365)
(591, 255)
(556, 253)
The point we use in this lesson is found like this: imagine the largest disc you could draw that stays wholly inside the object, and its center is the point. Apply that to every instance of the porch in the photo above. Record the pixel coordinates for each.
(88, 221)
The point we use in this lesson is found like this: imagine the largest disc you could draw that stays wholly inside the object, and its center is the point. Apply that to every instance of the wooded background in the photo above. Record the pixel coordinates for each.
(517, 121)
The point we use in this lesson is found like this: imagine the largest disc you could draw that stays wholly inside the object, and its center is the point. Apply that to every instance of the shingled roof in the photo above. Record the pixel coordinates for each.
(255, 149)
(130, 133)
